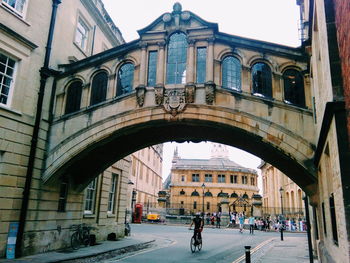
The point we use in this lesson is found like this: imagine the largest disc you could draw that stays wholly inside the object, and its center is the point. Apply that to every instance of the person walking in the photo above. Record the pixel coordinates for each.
(251, 222)
(241, 222)
(218, 220)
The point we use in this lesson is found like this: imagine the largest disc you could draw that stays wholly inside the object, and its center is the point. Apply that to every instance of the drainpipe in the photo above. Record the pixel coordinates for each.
(45, 73)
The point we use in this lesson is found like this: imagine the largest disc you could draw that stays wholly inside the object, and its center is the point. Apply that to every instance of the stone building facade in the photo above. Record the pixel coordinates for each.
(216, 184)
(327, 45)
(279, 191)
(145, 177)
(30, 54)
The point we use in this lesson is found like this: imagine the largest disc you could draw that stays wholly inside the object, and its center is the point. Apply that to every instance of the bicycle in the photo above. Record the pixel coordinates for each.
(80, 236)
(196, 242)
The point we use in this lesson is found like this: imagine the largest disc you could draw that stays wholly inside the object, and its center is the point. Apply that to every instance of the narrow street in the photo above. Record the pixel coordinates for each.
(219, 245)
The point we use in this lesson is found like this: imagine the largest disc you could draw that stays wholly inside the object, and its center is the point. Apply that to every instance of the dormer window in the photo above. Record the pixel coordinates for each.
(176, 60)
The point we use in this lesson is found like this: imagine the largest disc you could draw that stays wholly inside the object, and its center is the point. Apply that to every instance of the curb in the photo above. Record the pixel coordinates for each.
(108, 253)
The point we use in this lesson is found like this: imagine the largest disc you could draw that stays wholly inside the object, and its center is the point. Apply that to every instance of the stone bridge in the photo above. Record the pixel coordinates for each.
(182, 80)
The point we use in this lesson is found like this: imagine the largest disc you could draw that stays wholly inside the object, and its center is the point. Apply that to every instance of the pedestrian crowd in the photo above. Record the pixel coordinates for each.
(255, 223)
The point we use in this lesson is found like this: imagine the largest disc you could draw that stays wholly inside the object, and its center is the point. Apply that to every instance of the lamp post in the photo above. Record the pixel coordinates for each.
(203, 187)
(281, 217)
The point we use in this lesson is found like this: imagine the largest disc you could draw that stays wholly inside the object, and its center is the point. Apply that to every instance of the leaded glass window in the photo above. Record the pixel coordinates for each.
(262, 80)
(7, 69)
(152, 68)
(73, 98)
(231, 73)
(99, 88)
(125, 79)
(176, 60)
(294, 87)
(201, 64)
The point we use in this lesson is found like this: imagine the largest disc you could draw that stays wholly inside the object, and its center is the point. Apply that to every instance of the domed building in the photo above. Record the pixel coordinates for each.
(211, 185)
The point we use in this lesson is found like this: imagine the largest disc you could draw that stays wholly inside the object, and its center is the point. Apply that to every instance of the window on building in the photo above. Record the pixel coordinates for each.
(221, 178)
(62, 199)
(333, 219)
(111, 194)
(99, 88)
(176, 59)
(324, 219)
(125, 79)
(195, 177)
(7, 70)
(182, 178)
(208, 178)
(294, 87)
(231, 73)
(233, 179)
(208, 194)
(82, 34)
(17, 6)
(244, 179)
(152, 68)
(194, 205)
(73, 98)
(252, 180)
(208, 205)
(262, 80)
(90, 195)
(182, 192)
(201, 64)
(195, 193)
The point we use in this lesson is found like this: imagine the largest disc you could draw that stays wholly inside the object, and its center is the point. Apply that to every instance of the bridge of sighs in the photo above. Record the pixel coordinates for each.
(183, 80)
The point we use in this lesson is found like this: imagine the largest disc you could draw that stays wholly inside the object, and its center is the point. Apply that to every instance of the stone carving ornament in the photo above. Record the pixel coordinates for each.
(174, 101)
(140, 95)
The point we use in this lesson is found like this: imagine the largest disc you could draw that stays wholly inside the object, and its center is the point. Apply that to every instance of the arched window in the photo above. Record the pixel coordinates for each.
(294, 87)
(262, 80)
(231, 73)
(222, 194)
(234, 195)
(99, 88)
(176, 60)
(182, 192)
(245, 196)
(125, 79)
(208, 194)
(195, 193)
(73, 99)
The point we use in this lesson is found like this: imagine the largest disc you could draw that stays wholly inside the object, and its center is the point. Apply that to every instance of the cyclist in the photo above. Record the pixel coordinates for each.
(198, 223)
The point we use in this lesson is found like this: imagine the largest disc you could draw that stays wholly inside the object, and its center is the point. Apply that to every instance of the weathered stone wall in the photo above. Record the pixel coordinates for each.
(342, 11)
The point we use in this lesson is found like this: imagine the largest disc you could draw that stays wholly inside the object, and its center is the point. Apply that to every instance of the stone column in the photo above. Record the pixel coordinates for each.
(210, 61)
(143, 65)
(160, 66)
(190, 63)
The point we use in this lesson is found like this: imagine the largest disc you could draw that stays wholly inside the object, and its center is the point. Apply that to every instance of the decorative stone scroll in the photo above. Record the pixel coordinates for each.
(190, 90)
(210, 92)
(174, 101)
(159, 94)
(140, 95)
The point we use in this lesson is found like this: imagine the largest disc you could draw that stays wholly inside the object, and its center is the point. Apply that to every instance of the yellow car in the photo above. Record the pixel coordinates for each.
(153, 217)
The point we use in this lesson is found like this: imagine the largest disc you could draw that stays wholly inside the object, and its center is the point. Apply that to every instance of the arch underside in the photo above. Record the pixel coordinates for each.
(99, 155)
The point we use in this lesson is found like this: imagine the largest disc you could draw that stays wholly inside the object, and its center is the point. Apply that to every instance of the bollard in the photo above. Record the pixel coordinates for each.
(282, 233)
(247, 254)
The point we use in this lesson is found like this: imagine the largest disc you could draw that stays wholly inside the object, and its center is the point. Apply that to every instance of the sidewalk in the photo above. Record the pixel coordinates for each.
(292, 249)
(106, 247)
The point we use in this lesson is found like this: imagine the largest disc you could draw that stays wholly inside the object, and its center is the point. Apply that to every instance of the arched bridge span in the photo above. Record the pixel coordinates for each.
(183, 80)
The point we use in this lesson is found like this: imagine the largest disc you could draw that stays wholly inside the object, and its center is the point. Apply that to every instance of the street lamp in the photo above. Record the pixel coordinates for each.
(203, 187)
(281, 217)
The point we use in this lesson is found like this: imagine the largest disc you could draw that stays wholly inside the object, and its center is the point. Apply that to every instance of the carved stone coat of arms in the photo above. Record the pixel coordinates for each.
(174, 101)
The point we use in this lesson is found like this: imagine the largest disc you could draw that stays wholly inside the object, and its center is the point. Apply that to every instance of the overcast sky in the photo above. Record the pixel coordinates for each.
(268, 20)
